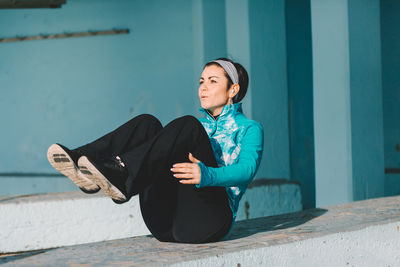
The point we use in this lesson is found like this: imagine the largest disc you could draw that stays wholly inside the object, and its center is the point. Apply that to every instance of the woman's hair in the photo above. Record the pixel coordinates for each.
(243, 78)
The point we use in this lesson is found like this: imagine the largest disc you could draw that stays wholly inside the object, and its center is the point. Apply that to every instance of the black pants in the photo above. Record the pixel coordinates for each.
(172, 211)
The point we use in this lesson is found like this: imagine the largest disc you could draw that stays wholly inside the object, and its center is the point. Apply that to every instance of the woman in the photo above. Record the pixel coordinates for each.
(191, 174)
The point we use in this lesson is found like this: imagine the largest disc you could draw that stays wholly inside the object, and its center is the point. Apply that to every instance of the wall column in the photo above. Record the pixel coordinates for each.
(269, 84)
(348, 122)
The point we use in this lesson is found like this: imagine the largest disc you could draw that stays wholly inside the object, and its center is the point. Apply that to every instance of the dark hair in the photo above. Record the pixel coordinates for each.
(243, 78)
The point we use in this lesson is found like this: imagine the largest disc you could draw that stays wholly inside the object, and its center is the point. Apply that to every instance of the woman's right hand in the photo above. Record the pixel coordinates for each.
(189, 173)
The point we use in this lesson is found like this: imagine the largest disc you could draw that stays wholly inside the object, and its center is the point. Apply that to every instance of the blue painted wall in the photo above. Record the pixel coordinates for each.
(390, 35)
(300, 91)
(331, 92)
(347, 101)
(214, 27)
(366, 99)
(74, 90)
(269, 83)
(314, 82)
(238, 42)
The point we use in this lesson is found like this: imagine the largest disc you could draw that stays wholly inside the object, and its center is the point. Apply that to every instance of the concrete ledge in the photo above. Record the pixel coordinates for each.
(364, 233)
(33, 222)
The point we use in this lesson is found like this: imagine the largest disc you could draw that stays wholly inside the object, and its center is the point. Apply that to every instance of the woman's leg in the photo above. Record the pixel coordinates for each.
(129, 135)
(173, 211)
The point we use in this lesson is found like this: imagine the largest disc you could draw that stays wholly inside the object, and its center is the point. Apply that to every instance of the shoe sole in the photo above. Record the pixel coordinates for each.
(97, 177)
(63, 163)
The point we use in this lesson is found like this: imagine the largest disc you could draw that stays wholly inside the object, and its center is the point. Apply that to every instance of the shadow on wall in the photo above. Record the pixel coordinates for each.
(250, 227)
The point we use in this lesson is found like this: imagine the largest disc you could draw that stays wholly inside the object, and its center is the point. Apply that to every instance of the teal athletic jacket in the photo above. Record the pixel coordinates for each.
(238, 144)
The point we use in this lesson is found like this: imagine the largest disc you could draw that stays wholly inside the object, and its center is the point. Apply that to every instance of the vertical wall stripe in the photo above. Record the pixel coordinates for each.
(332, 117)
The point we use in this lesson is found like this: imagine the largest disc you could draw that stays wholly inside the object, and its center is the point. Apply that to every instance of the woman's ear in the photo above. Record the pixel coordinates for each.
(235, 88)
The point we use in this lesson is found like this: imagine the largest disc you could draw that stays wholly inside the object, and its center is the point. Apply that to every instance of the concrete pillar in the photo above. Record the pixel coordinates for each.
(269, 84)
(366, 99)
(390, 34)
(300, 89)
(348, 127)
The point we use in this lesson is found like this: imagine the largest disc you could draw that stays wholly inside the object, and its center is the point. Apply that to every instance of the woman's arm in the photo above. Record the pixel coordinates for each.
(243, 171)
(239, 173)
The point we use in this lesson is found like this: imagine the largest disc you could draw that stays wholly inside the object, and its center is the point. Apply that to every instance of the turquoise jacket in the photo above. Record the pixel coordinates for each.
(238, 144)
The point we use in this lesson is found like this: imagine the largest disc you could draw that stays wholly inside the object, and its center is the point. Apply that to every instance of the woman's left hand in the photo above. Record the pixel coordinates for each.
(190, 173)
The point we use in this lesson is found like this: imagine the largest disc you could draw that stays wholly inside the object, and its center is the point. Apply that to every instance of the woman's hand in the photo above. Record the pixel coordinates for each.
(189, 172)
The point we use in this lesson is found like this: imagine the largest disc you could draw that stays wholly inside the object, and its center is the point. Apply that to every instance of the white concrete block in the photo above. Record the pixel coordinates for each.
(34, 222)
(377, 245)
(53, 220)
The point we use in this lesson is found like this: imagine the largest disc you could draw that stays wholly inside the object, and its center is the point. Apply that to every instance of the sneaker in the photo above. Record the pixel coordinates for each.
(65, 161)
(108, 173)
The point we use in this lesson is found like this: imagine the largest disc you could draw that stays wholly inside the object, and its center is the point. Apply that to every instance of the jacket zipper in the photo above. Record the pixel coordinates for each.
(210, 115)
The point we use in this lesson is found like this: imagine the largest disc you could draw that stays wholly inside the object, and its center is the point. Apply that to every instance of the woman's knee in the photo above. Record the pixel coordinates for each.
(188, 120)
(148, 119)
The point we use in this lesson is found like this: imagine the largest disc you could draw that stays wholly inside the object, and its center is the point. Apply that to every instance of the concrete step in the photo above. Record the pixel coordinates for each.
(363, 233)
(33, 222)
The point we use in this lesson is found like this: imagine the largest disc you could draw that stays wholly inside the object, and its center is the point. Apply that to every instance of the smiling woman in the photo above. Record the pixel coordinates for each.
(191, 174)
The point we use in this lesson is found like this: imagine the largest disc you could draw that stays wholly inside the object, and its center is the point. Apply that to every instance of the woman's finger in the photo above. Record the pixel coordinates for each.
(189, 181)
(183, 164)
(193, 159)
(184, 175)
(182, 169)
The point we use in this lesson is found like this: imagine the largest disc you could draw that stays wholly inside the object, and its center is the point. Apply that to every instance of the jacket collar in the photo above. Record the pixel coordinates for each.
(227, 111)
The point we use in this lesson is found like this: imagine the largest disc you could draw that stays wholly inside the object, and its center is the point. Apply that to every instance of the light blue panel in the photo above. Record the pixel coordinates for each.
(74, 90)
(390, 34)
(269, 84)
(198, 49)
(299, 54)
(238, 43)
(331, 79)
(209, 38)
(366, 99)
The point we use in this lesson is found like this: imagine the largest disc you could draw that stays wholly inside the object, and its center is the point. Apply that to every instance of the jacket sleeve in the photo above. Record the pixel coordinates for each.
(245, 168)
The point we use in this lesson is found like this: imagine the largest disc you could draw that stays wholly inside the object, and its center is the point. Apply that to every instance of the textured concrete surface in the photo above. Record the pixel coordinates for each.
(61, 219)
(52, 220)
(364, 233)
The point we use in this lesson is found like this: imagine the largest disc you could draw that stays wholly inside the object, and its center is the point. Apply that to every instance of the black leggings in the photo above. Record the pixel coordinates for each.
(172, 211)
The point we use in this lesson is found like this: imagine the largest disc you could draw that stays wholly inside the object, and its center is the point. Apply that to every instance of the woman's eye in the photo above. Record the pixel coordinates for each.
(213, 81)
(201, 82)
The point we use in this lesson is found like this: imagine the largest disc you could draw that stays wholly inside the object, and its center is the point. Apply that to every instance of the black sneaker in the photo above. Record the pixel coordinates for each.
(65, 161)
(108, 173)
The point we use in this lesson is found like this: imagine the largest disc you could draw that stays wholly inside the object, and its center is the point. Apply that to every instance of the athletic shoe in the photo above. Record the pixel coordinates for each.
(65, 161)
(109, 174)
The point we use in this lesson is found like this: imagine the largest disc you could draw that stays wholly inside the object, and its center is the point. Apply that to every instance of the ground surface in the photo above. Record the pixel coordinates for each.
(246, 235)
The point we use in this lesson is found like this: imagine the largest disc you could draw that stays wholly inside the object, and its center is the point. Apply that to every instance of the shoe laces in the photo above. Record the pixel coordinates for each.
(120, 162)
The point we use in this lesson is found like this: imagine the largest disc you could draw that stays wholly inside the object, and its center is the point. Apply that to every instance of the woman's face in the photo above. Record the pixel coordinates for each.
(213, 91)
